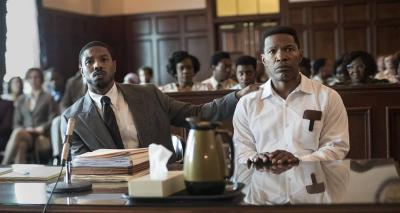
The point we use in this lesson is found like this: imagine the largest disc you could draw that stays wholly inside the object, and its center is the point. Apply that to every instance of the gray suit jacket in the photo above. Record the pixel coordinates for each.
(153, 113)
(43, 113)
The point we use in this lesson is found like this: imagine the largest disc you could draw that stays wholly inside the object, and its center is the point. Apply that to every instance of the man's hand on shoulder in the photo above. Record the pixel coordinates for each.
(246, 90)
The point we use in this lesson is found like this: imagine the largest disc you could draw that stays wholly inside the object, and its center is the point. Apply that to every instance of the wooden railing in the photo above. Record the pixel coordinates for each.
(373, 111)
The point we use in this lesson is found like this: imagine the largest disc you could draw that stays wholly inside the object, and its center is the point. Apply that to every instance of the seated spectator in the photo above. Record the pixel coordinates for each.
(6, 113)
(361, 67)
(15, 88)
(146, 75)
(322, 71)
(390, 70)
(221, 66)
(183, 67)
(131, 78)
(54, 84)
(245, 71)
(305, 67)
(31, 122)
(380, 62)
(397, 62)
(74, 89)
(342, 76)
(262, 76)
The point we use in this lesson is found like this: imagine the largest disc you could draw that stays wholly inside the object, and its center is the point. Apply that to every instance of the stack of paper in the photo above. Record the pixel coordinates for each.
(116, 162)
(31, 172)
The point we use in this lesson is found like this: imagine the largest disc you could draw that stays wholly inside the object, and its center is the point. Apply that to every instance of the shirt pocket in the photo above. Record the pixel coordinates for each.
(306, 139)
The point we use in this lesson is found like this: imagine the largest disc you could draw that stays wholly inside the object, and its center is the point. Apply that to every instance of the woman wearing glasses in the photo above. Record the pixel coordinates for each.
(361, 67)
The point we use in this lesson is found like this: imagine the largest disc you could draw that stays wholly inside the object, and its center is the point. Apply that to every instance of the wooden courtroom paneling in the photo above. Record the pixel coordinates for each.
(198, 45)
(393, 131)
(298, 16)
(372, 25)
(360, 137)
(324, 43)
(167, 24)
(137, 40)
(355, 11)
(165, 47)
(324, 14)
(355, 38)
(373, 112)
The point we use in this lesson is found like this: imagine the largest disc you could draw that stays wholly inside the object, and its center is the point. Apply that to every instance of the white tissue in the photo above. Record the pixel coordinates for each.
(158, 156)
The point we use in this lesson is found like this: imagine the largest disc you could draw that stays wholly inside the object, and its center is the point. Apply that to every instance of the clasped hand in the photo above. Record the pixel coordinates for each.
(276, 157)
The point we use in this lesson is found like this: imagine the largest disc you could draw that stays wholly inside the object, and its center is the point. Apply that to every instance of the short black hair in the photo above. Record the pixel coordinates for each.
(95, 44)
(320, 62)
(179, 56)
(21, 85)
(35, 69)
(280, 30)
(370, 64)
(218, 56)
(246, 60)
(148, 69)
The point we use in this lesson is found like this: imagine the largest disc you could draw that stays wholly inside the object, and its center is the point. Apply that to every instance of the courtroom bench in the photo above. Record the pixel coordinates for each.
(373, 111)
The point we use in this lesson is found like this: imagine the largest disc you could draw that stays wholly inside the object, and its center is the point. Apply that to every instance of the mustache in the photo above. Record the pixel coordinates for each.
(284, 66)
(98, 72)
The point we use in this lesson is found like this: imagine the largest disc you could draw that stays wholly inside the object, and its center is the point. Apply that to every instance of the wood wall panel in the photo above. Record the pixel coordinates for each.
(371, 25)
(297, 16)
(355, 12)
(323, 14)
(387, 10)
(355, 38)
(324, 43)
(140, 26)
(166, 47)
(167, 25)
(193, 44)
(385, 34)
(393, 131)
(360, 138)
(145, 56)
(136, 39)
(195, 23)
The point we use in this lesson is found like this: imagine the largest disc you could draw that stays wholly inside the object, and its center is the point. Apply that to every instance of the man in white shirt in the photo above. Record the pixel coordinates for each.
(221, 66)
(246, 72)
(291, 117)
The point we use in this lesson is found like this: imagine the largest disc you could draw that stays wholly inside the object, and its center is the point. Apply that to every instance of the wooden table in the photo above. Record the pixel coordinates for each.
(347, 186)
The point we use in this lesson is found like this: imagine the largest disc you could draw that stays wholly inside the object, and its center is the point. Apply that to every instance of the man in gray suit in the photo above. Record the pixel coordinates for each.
(31, 122)
(143, 113)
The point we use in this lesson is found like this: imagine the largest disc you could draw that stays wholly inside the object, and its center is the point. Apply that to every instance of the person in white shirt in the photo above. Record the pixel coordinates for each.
(291, 117)
(221, 66)
(184, 67)
(245, 71)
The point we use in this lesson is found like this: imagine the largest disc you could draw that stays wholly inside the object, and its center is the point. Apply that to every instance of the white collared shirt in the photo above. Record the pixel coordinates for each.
(126, 125)
(227, 84)
(265, 122)
(33, 97)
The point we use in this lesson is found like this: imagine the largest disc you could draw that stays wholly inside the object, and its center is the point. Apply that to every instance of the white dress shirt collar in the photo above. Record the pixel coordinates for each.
(112, 94)
(304, 86)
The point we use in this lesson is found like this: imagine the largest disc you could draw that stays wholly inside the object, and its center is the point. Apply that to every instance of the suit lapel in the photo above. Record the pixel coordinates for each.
(94, 124)
(137, 106)
(39, 102)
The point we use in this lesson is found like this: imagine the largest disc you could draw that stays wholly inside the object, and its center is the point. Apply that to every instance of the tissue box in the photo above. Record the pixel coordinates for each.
(146, 187)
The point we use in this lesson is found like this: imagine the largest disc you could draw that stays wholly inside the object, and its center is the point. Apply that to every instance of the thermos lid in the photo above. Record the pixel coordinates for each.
(197, 123)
